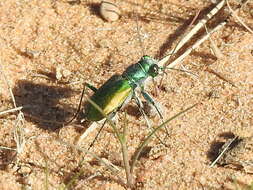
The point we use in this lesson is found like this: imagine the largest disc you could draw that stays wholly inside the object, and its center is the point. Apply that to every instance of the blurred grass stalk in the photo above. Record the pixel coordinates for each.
(129, 166)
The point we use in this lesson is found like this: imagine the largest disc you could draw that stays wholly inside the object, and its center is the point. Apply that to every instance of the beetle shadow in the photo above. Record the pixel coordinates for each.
(6, 158)
(42, 103)
(133, 110)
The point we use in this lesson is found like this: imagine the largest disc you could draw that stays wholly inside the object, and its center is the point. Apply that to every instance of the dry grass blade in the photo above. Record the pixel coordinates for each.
(106, 163)
(234, 14)
(18, 128)
(194, 30)
(221, 154)
(109, 166)
(196, 44)
(220, 76)
(8, 84)
(46, 170)
(213, 46)
(19, 133)
(7, 148)
(11, 110)
(122, 140)
(90, 129)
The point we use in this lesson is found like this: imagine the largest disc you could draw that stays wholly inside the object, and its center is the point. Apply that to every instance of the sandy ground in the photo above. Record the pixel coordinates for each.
(50, 48)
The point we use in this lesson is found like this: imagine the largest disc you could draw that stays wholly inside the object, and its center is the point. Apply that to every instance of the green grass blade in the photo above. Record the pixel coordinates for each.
(148, 138)
(122, 140)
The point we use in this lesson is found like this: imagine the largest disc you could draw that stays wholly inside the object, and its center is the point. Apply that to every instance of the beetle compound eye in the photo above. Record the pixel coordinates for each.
(154, 70)
(145, 57)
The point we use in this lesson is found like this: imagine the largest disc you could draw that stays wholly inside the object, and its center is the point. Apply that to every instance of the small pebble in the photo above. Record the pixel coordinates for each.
(58, 73)
(61, 73)
(24, 170)
(104, 43)
(66, 73)
(214, 1)
(109, 11)
(251, 12)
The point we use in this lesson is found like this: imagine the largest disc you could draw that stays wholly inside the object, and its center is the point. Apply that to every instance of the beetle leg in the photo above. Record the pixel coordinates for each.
(141, 107)
(96, 137)
(92, 127)
(150, 100)
(94, 89)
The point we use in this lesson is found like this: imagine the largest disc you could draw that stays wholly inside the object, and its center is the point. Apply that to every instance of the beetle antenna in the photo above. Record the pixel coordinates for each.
(183, 70)
(139, 34)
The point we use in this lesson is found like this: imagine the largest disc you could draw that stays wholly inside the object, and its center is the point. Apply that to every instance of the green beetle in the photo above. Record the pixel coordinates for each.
(119, 89)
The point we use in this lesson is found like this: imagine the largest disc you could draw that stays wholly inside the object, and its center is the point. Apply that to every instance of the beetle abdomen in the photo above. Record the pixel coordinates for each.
(109, 97)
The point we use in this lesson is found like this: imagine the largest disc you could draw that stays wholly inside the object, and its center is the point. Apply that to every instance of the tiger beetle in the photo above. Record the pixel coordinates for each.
(120, 89)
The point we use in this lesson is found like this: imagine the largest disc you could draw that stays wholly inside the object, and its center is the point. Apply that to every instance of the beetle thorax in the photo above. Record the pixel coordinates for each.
(137, 73)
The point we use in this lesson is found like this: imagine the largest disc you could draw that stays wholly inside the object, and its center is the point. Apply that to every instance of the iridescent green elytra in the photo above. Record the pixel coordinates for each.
(119, 89)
